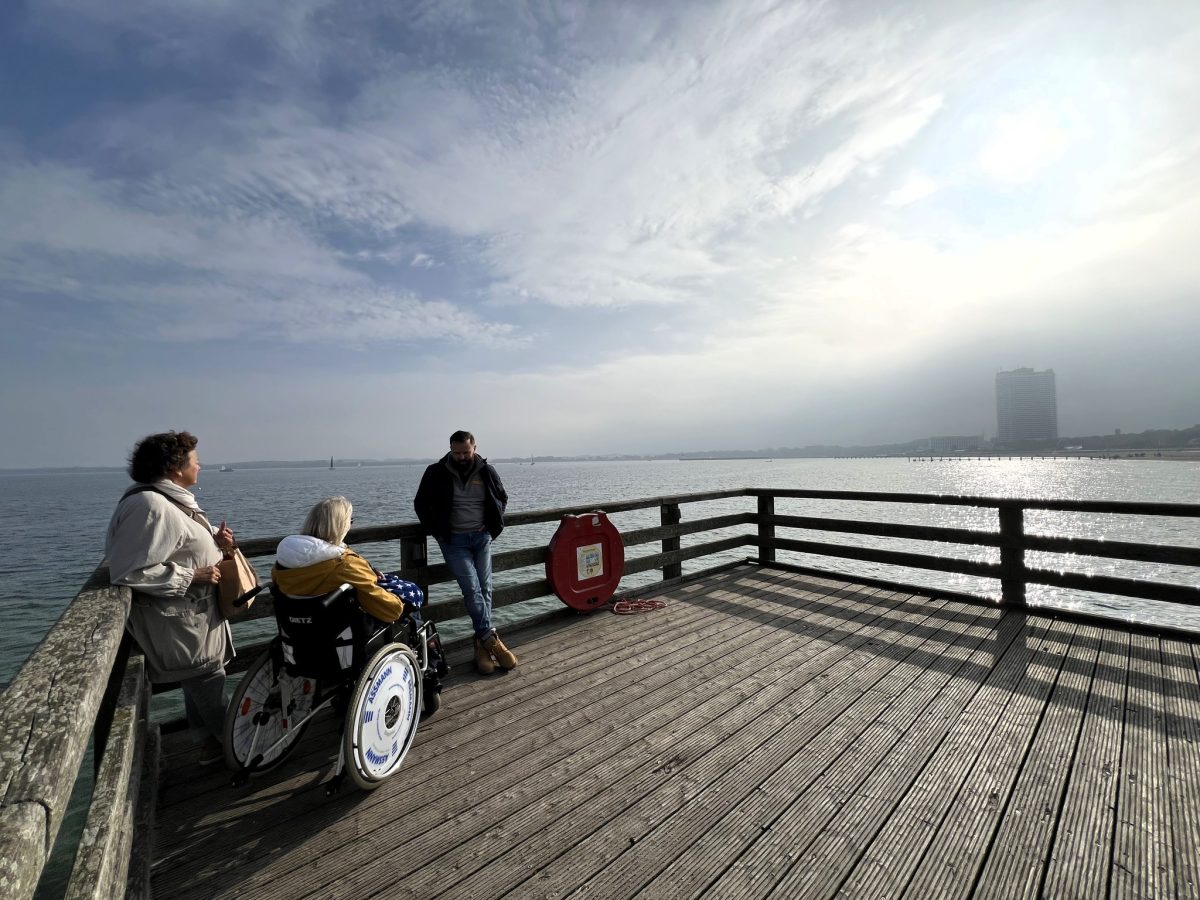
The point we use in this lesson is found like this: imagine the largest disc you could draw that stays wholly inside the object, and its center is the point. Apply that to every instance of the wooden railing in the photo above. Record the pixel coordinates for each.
(82, 677)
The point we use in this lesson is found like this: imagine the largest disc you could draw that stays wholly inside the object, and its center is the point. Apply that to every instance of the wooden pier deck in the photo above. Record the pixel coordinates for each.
(767, 734)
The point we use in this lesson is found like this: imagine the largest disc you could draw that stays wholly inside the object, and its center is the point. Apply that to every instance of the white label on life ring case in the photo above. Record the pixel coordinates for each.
(589, 561)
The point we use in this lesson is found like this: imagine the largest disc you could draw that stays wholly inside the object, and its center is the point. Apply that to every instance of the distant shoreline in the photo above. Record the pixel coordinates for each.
(1135, 454)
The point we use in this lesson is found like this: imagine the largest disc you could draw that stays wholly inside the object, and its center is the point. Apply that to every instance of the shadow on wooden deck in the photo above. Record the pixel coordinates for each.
(767, 734)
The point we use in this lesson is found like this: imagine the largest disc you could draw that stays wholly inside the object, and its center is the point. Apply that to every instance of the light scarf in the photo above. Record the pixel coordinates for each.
(180, 495)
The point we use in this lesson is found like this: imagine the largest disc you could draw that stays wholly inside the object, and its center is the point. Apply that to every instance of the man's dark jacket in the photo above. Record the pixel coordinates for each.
(435, 496)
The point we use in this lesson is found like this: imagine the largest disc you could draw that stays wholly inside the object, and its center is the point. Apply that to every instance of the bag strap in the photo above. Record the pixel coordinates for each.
(143, 488)
(190, 513)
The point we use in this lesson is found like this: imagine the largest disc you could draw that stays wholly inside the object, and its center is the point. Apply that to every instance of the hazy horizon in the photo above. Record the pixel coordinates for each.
(589, 228)
(691, 453)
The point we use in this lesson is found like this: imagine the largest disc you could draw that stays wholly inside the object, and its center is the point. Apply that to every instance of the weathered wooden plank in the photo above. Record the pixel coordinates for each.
(1082, 853)
(137, 886)
(1021, 849)
(1181, 687)
(892, 858)
(892, 557)
(758, 825)
(848, 817)
(41, 740)
(891, 530)
(1160, 553)
(1183, 594)
(1126, 507)
(957, 851)
(102, 856)
(1142, 864)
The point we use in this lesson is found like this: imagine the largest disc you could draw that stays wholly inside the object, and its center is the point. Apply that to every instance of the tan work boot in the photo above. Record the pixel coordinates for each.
(504, 657)
(483, 659)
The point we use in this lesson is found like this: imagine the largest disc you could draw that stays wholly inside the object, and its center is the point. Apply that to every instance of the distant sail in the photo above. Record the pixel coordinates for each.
(331, 462)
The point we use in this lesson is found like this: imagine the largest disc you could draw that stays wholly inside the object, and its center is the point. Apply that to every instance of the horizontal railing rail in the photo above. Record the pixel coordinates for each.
(1014, 573)
(80, 675)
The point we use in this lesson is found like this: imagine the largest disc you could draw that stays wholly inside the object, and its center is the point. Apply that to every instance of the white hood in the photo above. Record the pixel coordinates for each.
(298, 550)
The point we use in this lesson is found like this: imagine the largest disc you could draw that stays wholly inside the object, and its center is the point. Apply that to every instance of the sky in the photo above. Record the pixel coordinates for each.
(308, 228)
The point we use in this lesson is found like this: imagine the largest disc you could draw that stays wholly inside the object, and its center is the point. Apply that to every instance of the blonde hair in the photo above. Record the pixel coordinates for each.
(329, 520)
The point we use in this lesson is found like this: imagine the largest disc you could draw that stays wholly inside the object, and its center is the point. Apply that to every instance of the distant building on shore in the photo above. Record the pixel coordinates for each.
(1026, 409)
(954, 443)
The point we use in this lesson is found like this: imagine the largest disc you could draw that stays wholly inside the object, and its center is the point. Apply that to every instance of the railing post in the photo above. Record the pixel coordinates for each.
(1012, 554)
(669, 515)
(766, 528)
(414, 560)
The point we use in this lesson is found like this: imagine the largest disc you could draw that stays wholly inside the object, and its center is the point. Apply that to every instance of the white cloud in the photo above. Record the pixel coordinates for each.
(916, 187)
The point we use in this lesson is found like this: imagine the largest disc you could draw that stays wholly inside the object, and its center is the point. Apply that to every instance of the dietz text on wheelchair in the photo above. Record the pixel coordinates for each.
(378, 678)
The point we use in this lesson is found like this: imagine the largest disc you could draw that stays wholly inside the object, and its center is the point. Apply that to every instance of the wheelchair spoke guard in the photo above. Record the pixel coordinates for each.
(383, 715)
(266, 717)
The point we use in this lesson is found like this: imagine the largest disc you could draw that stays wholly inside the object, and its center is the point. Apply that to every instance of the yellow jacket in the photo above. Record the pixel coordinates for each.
(324, 574)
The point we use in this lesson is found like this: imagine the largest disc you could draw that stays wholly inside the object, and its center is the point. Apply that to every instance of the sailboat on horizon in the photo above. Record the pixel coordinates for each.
(331, 462)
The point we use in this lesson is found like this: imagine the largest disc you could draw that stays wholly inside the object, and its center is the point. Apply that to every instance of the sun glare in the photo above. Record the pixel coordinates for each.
(1023, 144)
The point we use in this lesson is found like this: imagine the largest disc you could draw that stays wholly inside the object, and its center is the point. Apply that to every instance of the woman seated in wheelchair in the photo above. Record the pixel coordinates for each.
(318, 561)
(372, 661)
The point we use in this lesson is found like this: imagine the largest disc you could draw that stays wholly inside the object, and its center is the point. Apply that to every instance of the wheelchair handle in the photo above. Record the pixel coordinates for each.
(250, 595)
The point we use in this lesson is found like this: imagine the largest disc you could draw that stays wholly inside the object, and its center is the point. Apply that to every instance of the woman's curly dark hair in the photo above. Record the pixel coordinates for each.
(158, 455)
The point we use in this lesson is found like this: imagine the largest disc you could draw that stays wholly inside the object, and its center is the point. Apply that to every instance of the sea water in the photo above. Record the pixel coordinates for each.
(54, 523)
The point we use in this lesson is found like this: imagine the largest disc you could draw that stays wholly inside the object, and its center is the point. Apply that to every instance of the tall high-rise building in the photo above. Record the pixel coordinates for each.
(1026, 409)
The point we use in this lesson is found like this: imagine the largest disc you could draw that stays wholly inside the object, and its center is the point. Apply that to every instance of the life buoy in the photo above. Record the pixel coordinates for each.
(586, 560)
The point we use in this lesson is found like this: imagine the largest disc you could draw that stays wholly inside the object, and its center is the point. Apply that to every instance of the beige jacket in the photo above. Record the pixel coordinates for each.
(154, 546)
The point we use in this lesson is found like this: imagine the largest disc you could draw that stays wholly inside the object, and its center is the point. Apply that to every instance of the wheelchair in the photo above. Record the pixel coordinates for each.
(378, 678)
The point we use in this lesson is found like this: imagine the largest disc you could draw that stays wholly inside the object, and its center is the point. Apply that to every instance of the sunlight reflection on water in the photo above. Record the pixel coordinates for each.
(60, 518)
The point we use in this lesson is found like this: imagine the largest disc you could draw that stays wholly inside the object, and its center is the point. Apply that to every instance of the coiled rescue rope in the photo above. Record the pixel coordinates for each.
(630, 607)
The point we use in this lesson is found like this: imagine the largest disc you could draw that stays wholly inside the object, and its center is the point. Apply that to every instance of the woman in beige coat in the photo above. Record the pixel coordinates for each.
(162, 546)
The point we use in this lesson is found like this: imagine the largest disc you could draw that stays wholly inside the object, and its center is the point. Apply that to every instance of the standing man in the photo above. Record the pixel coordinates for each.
(461, 503)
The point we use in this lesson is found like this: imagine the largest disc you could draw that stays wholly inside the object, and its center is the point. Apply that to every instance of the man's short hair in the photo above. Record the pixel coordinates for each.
(462, 437)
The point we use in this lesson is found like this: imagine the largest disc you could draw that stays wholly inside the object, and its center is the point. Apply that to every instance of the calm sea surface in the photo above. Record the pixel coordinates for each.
(54, 523)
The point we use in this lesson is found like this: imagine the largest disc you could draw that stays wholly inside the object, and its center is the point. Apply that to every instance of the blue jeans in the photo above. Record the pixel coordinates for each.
(469, 557)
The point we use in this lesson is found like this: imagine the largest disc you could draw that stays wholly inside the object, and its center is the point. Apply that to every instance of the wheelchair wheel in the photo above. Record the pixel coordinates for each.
(383, 715)
(259, 732)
